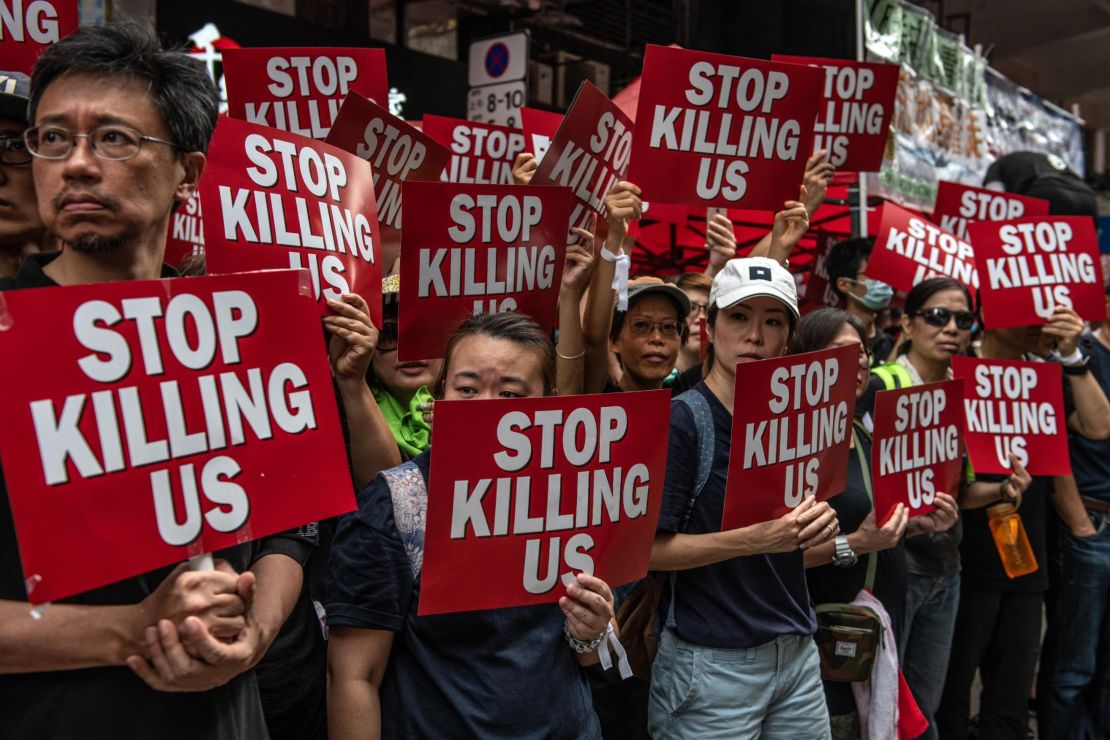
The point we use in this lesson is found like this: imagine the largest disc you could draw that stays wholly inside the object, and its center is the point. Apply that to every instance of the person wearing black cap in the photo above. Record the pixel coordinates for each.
(1044, 176)
(21, 230)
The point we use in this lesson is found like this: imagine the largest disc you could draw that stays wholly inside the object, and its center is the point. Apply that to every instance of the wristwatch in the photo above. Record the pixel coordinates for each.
(844, 556)
(1078, 368)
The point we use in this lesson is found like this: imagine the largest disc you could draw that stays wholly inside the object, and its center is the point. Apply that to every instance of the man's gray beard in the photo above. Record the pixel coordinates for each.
(94, 244)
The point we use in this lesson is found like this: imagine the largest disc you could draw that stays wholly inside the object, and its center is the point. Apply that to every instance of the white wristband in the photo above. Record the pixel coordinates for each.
(620, 277)
(1075, 358)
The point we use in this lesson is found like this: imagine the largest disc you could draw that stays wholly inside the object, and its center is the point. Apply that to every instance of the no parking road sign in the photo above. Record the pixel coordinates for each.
(497, 72)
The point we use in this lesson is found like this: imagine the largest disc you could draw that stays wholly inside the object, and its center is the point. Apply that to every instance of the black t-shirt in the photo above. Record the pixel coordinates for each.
(492, 673)
(982, 565)
(113, 701)
(832, 584)
(739, 603)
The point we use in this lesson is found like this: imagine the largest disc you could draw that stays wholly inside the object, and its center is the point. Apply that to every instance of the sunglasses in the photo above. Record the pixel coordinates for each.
(940, 317)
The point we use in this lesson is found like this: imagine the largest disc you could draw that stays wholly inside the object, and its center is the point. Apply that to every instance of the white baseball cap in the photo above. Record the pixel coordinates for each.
(748, 277)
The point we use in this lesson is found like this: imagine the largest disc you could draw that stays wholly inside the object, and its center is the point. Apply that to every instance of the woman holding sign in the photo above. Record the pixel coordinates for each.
(474, 674)
(936, 326)
(737, 658)
(840, 568)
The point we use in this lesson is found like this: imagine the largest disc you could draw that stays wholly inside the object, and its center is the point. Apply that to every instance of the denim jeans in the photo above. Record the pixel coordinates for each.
(1073, 689)
(926, 639)
(772, 691)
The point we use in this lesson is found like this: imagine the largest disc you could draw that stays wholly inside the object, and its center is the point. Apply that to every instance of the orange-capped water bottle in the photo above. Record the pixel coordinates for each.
(1011, 540)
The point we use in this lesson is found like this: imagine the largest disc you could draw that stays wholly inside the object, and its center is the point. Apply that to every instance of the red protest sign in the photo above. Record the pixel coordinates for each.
(916, 451)
(169, 418)
(1034, 264)
(910, 249)
(540, 127)
(396, 151)
(186, 235)
(819, 292)
(719, 130)
(481, 153)
(1016, 408)
(589, 154)
(582, 475)
(478, 249)
(791, 435)
(27, 28)
(300, 90)
(277, 200)
(958, 205)
(853, 122)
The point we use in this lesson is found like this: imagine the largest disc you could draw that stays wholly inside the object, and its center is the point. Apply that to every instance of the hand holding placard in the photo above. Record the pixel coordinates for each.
(790, 436)
(544, 487)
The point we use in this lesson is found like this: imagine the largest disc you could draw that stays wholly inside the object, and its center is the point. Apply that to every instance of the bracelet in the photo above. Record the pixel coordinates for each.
(1079, 368)
(581, 646)
(1073, 359)
(572, 357)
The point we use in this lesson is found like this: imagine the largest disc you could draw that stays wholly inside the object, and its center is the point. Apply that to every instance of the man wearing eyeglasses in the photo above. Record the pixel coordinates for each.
(21, 231)
(119, 133)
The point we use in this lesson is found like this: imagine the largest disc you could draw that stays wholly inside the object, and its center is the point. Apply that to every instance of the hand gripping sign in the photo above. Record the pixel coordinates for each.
(1014, 408)
(170, 418)
(1032, 265)
(718, 130)
(916, 449)
(478, 249)
(300, 90)
(277, 200)
(396, 151)
(540, 127)
(791, 432)
(909, 249)
(959, 205)
(589, 154)
(542, 488)
(853, 122)
(481, 153)
(27, 27)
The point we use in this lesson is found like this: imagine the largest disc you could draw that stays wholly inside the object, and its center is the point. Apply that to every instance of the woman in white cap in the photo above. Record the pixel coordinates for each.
(736, 658)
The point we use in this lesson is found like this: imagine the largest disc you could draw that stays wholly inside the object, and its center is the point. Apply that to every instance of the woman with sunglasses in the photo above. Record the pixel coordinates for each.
(936, 326)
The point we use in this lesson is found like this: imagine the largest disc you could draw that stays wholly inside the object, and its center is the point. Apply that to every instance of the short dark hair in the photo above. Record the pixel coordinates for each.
(819, 328)
(845, 258)
(183, 93)
(510, 326)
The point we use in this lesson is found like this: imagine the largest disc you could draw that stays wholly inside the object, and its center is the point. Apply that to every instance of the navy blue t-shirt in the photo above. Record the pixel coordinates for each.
(494, 673)
(1090, 459)
(737, 603)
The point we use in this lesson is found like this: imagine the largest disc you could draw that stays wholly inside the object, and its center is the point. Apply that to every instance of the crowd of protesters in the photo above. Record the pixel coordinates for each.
(314, 632)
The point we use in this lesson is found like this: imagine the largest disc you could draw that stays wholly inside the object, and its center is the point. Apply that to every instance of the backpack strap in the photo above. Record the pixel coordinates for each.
(410, 508)
(703, 425)
(893, 375)
(707, 444)
(859, 435)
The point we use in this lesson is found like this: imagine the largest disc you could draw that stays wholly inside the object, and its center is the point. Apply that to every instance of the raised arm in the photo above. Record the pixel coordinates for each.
(570, 352)
(351, 347)
(622, 207)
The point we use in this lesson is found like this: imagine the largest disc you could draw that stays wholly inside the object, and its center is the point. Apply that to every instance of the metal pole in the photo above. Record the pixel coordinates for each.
(861, 190)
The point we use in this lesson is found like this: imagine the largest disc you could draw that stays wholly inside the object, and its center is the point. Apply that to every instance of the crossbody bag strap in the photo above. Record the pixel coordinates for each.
(865, 473)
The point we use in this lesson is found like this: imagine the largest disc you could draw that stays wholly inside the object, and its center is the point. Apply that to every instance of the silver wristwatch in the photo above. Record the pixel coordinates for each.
(843, 556)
